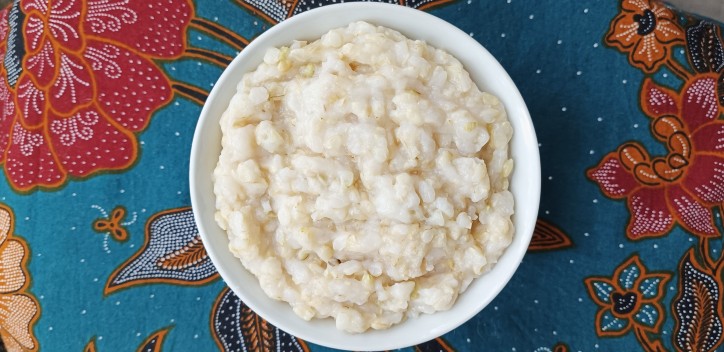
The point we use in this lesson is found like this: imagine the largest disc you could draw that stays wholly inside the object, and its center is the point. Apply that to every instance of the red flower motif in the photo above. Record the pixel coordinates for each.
(682, 186)
(78, 81)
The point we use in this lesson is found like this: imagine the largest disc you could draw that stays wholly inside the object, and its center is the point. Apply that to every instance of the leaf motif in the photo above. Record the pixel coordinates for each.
(236, 327)
(436, 345)
(257, 332)
(547, 236)
(705, 47)
(91, 346)
(190, 255)
(154, 342)
(698, 325)
(172, 253)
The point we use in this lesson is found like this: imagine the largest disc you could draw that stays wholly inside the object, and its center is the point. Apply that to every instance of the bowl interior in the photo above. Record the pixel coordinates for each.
(489, 76)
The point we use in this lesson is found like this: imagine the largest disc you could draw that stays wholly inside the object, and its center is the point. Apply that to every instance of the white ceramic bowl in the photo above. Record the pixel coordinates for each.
(489, 76)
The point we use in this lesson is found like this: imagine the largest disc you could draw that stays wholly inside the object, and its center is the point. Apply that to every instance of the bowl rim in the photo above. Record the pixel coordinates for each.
(260, 43)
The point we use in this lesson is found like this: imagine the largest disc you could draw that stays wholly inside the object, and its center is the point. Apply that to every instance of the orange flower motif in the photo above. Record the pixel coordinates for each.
(646, 30)
(19, 308)
(78, 81)
(682, 186)
(113, 225)
(629, 299)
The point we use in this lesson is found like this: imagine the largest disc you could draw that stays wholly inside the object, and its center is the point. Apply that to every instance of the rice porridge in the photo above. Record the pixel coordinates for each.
(364, 177)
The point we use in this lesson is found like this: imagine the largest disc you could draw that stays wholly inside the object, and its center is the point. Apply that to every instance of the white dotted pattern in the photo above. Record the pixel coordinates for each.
(608, 176)
(701, 95)
(659, 102)
(158, 26)
(130, 87)
(646, 218)
(109, 15)
(31, 101)
(693, 214)
(42, 64)
(72, 81)
(29, 160)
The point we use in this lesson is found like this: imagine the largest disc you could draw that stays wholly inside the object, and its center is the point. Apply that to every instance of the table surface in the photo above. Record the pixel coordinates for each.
(710, 8)
(99, 250)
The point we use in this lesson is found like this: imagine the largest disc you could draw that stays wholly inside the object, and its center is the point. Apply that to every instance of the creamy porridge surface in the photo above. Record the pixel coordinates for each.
(364, 177)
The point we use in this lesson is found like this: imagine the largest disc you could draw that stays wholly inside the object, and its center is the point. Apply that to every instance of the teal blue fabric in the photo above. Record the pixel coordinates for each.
(583, 96)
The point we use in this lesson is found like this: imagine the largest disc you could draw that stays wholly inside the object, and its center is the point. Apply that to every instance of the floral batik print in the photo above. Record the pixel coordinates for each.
(681, 186)
(112, 224)
(78, 81)
(646, 30)
(172, 253)
(19, 307)
(629, 300)
(276, 11)
(684, 186)
(698, 326)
